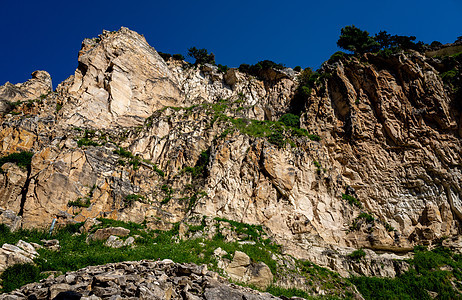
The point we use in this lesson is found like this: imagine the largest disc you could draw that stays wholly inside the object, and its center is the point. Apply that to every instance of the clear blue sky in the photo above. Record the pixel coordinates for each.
(46, 35)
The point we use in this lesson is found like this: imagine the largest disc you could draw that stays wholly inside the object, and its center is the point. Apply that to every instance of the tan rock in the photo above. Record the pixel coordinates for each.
(40, 84)
(261, 276)
(105, 233)
(238, 266)
(121, 80)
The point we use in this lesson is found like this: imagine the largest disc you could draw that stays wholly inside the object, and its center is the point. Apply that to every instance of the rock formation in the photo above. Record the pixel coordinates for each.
(134, 138)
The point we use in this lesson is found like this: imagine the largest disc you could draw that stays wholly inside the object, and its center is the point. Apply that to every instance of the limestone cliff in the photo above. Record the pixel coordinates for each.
(375, 164)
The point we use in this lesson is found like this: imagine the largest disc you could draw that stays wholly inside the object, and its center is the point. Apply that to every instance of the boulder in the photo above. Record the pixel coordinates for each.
(22, 253)
(104, 233)
(242, 269)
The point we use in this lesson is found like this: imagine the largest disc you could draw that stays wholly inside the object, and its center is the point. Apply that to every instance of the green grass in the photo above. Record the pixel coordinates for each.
(253, 232)
(425, 275)
(19, 275)
(75, 253)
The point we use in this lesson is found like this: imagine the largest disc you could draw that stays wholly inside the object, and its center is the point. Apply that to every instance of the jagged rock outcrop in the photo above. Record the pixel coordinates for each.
(39, 85)
(384, 175)
(120, 81)
(20, 253)
(138, 280)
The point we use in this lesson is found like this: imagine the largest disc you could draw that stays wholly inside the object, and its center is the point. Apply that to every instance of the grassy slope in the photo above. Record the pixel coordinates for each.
(75, 253)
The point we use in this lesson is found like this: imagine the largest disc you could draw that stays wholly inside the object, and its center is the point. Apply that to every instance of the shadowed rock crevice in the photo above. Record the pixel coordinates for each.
(24, 191)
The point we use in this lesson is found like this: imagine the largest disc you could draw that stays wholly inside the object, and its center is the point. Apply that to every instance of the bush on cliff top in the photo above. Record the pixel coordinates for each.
(201, 56)
(359, 41)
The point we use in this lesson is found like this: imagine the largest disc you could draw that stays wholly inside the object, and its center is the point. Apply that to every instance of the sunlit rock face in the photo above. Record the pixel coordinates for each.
(385, 174)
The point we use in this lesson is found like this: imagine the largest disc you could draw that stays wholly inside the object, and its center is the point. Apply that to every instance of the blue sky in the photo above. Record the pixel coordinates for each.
(46, 35)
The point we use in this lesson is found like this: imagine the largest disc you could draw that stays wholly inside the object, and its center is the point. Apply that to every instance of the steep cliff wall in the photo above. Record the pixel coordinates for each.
(376, 162)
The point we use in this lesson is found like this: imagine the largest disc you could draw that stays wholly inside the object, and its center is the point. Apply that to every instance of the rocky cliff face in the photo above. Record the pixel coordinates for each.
(135, 138)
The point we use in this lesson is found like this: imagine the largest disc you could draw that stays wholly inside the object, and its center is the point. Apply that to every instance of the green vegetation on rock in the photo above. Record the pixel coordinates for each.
(438, 271)
(76, 253)
(352, 200)
(22, 159)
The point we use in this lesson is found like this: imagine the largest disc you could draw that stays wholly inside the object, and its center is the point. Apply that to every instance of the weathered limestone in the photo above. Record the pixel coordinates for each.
(39, 85)
(120, 81)
(390, 137)
(22, 253)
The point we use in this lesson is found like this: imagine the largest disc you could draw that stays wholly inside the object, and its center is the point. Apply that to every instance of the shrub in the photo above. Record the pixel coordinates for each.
(201, 56)
(223, 69)
(357, 254)
(256, 69)
(165, 56)
(135, 163)
(298, 69)
(80, 202)
(277, 139)
(436, 44)
(290, 120)
(388, 227)
(318, 167)
(22, 159)
(448, 76)
(87, 142)
(384, 39)
(337, 56)
(168, 193)
(314, 137)
(244, 68)
(178, 57)
(308, 80)
(130, 199)
(124, 153)
(352, 200)
(200, 168)
(369, 218)
(158, 171)
(356, 40)
(386, 53)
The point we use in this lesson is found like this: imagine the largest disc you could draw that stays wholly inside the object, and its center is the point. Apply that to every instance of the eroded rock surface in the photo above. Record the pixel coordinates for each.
(385, 174)
(21, 253)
